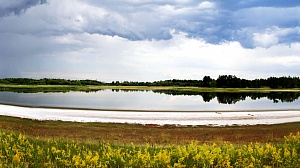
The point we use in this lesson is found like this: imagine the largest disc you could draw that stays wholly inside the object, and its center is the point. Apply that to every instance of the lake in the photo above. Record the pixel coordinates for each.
(157, 100)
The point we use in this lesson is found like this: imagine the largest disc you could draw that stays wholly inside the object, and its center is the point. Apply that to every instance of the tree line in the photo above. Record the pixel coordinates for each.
(48, 81)
(223, 81)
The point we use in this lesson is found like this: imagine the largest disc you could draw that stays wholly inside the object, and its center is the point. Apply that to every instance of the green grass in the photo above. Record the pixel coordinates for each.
(66, 88)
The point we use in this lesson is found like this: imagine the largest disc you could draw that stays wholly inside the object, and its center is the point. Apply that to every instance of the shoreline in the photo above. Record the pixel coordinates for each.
(164, 117)
(141, 110)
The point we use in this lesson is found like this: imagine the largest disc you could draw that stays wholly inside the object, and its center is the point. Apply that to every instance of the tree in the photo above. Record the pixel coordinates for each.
(206, 81)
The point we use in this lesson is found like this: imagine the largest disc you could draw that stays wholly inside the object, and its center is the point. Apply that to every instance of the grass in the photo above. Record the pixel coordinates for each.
(66, 88)
(152, 134)
(17, 150)
(33, 143)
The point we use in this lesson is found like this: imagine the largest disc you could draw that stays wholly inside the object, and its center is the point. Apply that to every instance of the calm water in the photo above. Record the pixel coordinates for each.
(162, 100)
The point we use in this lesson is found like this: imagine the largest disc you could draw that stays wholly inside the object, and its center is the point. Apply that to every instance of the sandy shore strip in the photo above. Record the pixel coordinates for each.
(159, 118)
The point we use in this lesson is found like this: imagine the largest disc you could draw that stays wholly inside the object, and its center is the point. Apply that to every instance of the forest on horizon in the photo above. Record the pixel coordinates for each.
(223, 81)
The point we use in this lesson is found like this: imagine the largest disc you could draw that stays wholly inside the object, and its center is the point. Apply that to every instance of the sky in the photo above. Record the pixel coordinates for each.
(143, 40)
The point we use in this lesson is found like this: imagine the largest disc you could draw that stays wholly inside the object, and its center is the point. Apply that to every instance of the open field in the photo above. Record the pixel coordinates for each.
(18, 150)
(68, 144)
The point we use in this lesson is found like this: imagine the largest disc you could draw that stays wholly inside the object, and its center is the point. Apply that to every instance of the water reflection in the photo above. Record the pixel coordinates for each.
(129, 90)
(136, 99)
(222, 97)
(234, 97)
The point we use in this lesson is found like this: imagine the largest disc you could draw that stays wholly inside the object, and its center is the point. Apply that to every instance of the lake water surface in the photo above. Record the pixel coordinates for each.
(156, 100)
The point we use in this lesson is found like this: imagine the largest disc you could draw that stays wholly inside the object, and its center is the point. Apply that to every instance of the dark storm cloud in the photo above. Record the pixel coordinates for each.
(8, 7)
(215, 21)
(241, 4)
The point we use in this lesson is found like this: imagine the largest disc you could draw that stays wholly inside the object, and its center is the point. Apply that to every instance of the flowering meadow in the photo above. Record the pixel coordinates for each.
(17, 150)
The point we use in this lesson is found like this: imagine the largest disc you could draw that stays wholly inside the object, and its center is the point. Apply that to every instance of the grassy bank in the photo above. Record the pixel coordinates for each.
(66, 88)
(32, 143)
(16, 150)
(153, 134)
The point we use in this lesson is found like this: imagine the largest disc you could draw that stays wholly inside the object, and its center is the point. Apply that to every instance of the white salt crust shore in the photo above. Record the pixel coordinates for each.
(159, 118)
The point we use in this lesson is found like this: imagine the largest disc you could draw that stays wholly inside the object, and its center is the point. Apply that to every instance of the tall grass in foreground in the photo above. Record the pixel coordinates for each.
(16, 150)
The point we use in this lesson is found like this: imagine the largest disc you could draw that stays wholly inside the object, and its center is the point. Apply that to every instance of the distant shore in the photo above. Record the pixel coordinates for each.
(87, 88)
(181, 118)
(142, 110)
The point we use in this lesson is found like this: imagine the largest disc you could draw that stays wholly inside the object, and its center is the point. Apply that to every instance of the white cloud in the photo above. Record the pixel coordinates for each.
(274, 35)
(206, 5)
(265, 40)
(109, 58)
